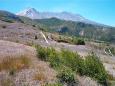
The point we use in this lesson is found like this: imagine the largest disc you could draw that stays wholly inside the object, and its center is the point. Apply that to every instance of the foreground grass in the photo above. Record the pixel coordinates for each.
(7, 82)
(68, 64)
(14, 63)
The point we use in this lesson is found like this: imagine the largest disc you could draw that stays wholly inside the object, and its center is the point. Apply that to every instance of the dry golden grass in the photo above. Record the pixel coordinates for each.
(14, 63)
(44, 74)
(15, 58)
(6, 82)
(40, 76)
(111, 78)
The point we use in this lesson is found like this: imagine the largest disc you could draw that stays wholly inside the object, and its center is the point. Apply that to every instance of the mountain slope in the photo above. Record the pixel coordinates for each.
(34, 14)
(90, 31)
(8, 17)
(29, 33)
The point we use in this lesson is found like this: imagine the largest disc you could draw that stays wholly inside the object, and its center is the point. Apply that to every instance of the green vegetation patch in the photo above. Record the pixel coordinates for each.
(68, 39)
(68, 64)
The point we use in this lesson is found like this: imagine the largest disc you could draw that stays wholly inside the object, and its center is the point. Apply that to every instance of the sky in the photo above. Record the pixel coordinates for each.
(101, 11)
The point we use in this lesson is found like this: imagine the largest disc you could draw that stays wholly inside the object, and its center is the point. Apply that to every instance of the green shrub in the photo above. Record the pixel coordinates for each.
(80, 66)
(54, 58)
(73, 61)
(50, 55)
(69, 59)
(41, 53)
(95, 69)
(80, 42)
(66, 76)
(70, 62)
(68, 39)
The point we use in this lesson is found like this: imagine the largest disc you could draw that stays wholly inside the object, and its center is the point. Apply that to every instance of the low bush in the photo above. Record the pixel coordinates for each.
(48, 54)
(54, 58)
(80, 42)
(66, 39)
(90, 66)
(66, 76)
(41, 53)
(69, 59)
(95, 69)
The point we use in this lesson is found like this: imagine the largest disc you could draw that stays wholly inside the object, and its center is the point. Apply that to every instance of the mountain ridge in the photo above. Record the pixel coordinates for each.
(34, 14)
(72, 28)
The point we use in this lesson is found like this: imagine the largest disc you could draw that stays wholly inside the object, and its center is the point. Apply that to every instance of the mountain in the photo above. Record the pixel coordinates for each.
(9, 17)
(34, 14)
(30, 12)
(91, 31)
(36, 63)
(82, 28)
(73, 28)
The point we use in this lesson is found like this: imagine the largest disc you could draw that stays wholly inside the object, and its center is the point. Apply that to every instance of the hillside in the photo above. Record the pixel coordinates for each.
(81, 29)
(22, 66)
(69, 58)
(91, 31)
(9, 17)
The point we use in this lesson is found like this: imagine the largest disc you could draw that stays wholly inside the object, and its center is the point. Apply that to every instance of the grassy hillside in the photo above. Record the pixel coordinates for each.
(9, 17)
(90, 31)
(79, 29)
(64, 58)
(103, 33)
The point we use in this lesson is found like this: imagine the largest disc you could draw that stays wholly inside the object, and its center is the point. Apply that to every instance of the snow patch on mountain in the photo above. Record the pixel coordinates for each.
(34, 14)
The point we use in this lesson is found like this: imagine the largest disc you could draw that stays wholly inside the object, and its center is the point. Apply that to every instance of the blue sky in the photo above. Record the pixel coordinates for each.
(102, 11)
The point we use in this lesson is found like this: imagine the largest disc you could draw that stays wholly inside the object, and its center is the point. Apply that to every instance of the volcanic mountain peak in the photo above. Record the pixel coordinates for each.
(29, 12)
(34, 14)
